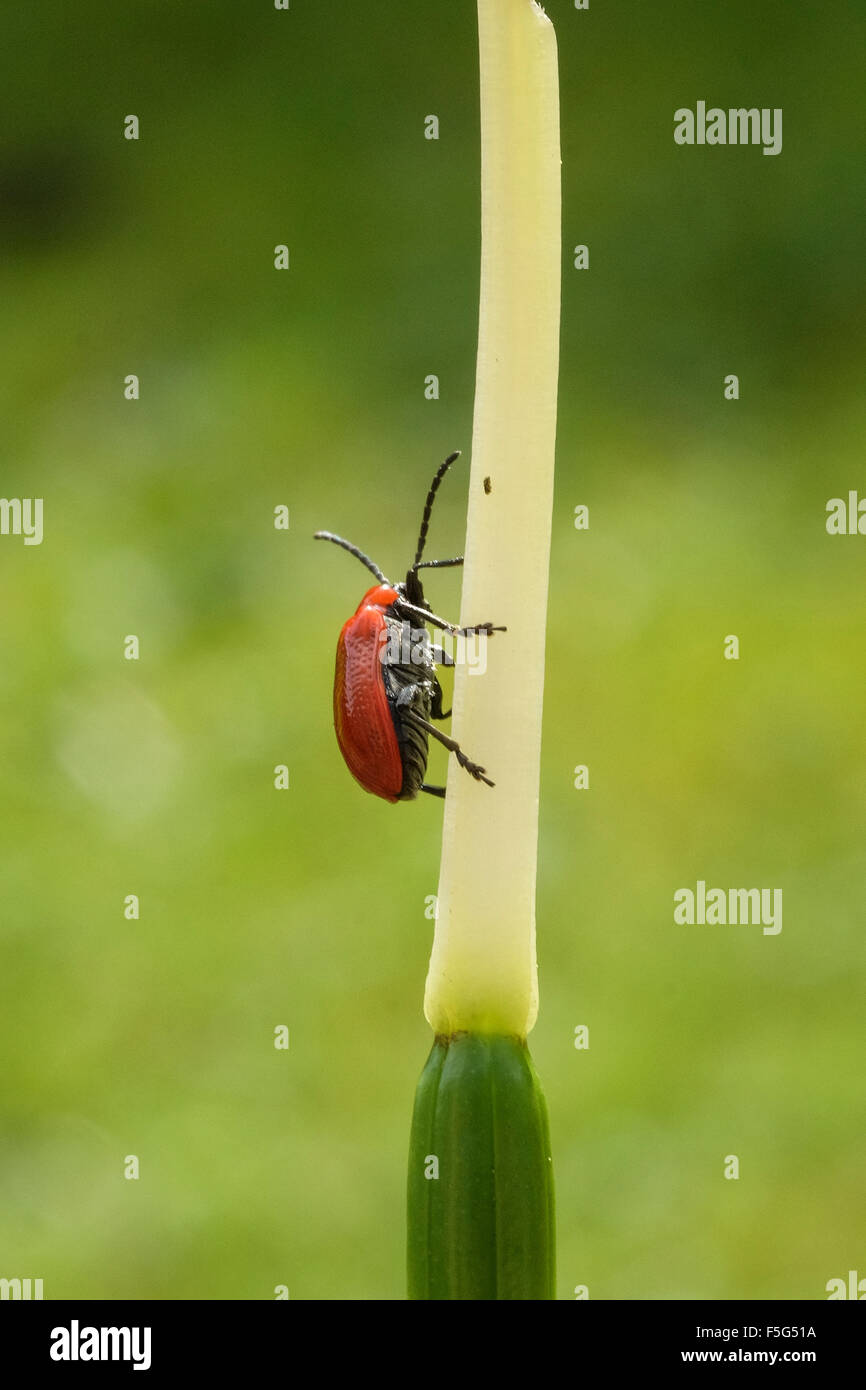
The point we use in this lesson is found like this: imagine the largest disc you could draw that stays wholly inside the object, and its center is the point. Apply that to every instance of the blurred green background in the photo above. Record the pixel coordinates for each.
(306, 388)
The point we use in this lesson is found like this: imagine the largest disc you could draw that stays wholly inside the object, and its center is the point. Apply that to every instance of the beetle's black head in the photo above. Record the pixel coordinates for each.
(413, 589)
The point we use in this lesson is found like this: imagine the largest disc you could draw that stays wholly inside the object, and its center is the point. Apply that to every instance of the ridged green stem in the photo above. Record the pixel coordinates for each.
(480, 1175)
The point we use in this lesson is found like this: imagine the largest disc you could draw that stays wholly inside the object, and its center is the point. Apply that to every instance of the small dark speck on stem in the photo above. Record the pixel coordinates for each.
(488, 486)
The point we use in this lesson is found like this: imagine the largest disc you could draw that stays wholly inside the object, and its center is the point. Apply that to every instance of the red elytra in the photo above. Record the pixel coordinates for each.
(362, 714)
(386, 691)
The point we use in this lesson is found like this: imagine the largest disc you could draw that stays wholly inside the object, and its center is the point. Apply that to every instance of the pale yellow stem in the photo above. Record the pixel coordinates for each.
(483, 974)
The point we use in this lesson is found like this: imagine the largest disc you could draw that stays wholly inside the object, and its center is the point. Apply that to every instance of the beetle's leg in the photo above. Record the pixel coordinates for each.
(441, 657)
(434, 791)
(453, 747)
(436, 709)
(406, 695)
(444, 626)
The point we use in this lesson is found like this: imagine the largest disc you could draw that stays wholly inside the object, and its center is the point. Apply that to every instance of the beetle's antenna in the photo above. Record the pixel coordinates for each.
(353, 550)
(428, 505)
(437, 564)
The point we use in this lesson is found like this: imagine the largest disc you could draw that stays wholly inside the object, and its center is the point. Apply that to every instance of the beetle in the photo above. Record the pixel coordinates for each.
(386, 692)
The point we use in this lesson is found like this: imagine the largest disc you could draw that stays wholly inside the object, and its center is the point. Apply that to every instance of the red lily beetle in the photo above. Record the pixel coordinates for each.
(385, 687)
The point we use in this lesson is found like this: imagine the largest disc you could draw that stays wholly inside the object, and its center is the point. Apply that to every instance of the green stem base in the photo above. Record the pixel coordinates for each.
(480, 1174)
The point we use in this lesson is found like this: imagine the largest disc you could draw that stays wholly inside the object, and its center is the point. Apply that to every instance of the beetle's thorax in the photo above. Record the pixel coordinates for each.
(381, 597)
(412, 590)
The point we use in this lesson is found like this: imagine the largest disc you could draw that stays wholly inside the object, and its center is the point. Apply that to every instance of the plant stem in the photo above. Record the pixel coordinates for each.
(483, 969)
(480, 1175)
(481, 1221)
